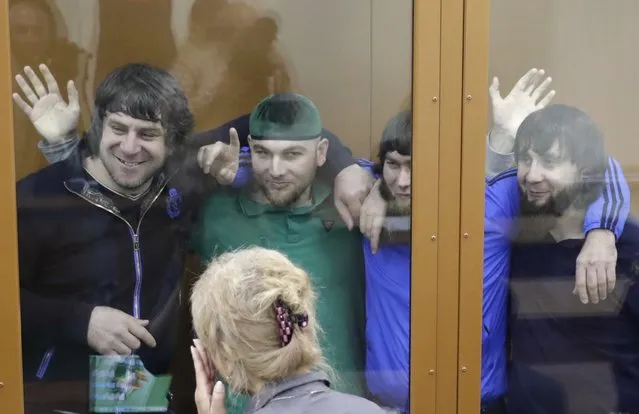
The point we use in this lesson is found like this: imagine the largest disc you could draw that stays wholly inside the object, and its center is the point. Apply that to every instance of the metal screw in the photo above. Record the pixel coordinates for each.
(431, 372)
(469, 97)
(464, 370)
(435, 99)
(465, 235)
(1, 384)
(433, 237)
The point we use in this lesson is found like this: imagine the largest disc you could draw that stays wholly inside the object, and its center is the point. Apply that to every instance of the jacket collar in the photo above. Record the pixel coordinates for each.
(76, 181)
(305, 384)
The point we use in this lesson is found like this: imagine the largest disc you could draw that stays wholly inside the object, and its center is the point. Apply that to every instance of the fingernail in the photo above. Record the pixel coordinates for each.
(219, 387)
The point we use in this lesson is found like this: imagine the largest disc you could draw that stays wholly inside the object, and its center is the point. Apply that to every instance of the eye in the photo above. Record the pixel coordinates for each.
(149, 135)
(118, 130)
(293, 154)
(392, 165)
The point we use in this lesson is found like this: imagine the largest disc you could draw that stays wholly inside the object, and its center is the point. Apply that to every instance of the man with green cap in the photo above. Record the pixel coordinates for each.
(287, 208)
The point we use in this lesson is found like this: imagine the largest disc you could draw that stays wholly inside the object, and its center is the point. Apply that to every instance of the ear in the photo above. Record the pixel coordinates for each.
(322, 150)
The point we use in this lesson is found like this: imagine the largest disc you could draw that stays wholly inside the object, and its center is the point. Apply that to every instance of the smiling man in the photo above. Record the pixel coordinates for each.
(287, 207)
(567, 357)
(101, 237)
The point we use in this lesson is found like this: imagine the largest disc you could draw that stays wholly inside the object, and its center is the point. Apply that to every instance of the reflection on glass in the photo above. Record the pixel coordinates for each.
(128, 214)
(39, 34)
(560, 250)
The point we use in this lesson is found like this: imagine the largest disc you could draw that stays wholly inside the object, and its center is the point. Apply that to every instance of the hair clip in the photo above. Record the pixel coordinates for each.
(286, 321)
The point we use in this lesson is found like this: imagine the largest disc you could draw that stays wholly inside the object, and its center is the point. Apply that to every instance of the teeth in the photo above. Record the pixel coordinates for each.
(129, 164)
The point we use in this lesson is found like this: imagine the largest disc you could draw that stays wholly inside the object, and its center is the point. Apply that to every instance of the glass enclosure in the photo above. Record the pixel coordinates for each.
(117, 216)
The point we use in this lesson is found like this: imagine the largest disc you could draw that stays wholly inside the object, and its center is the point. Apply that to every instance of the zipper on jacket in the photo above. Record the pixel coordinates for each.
(137, 261)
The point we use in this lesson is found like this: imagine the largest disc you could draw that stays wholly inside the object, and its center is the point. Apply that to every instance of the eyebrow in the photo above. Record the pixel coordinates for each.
(116, 123)
(399, 161)
(296, 148)
(152, 129)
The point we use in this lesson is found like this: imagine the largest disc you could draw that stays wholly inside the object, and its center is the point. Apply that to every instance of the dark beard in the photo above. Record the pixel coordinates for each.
(393, 208)
(292, 198)
(535, 222)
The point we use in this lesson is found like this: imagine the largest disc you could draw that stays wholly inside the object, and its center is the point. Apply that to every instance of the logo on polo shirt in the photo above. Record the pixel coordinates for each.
(328, 225)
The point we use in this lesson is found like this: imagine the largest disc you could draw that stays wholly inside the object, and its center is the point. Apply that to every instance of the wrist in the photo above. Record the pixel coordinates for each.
(602, 235)
(67, 136)
(501, 140)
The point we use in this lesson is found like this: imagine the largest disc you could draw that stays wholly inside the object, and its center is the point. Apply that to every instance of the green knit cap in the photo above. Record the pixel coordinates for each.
(285, 116)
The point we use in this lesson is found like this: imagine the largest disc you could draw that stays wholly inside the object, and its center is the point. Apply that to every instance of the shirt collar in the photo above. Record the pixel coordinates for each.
(320, 191)
(271, 391)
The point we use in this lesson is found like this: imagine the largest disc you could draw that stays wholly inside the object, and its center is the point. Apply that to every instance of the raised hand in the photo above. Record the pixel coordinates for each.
(528, 95)
(52, 117)
(221, 160)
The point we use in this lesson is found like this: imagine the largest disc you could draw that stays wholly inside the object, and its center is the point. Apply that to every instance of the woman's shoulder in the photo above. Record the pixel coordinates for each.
(328, 401)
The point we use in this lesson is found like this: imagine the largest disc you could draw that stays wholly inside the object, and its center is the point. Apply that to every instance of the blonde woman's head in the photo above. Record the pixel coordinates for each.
(234, 315)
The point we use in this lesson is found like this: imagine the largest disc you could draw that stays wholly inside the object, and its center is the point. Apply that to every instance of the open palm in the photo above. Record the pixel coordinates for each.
(52, 117)
(526, 97)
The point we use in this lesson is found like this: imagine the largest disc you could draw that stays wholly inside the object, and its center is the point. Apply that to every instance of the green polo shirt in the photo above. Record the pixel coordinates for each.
(315, 238)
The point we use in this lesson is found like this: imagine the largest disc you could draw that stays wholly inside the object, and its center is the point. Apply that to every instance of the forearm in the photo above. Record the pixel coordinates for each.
(499, 152)
(610, 211)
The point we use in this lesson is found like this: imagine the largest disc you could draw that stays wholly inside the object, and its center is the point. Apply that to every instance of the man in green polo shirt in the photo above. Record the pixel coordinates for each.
(286, 208)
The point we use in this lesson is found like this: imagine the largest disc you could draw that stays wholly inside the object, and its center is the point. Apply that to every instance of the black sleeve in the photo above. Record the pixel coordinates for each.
(45, 320)
(191, 180)
(339, 156)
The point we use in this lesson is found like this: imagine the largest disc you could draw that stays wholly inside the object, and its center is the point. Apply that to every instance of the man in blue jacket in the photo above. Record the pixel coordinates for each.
(566, 356)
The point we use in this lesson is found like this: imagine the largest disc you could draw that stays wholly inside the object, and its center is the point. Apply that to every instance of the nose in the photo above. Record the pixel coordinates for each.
(277, 167)
(535, 172)
(130, 144)
(404, 178)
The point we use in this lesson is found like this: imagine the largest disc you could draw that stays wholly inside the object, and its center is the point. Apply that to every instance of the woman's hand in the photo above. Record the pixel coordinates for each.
(209, 398)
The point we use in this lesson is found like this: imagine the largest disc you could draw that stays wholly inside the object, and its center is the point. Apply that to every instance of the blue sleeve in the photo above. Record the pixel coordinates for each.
(369, 166)
(611, 209)
(58, 151)
(502, 196)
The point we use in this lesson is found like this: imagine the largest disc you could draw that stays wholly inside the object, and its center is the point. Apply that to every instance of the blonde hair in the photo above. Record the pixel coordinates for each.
(234, 317)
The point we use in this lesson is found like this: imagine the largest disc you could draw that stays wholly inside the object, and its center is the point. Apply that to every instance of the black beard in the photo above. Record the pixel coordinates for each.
(535, 222)
(393, 208)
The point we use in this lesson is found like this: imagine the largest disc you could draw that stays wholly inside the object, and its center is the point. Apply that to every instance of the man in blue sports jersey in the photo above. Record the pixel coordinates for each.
(567, 357)
(388, 304)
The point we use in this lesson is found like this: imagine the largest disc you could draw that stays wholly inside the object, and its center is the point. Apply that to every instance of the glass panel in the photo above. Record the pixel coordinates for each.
(248, 125)
(560, 298)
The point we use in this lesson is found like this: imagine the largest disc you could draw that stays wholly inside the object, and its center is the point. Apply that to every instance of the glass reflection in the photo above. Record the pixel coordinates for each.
(559, 253)
(121, 219)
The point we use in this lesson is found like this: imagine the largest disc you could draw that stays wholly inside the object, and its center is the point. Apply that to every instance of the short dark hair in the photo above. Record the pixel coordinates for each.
(142, 91)
(397, 136)
(579, 139)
